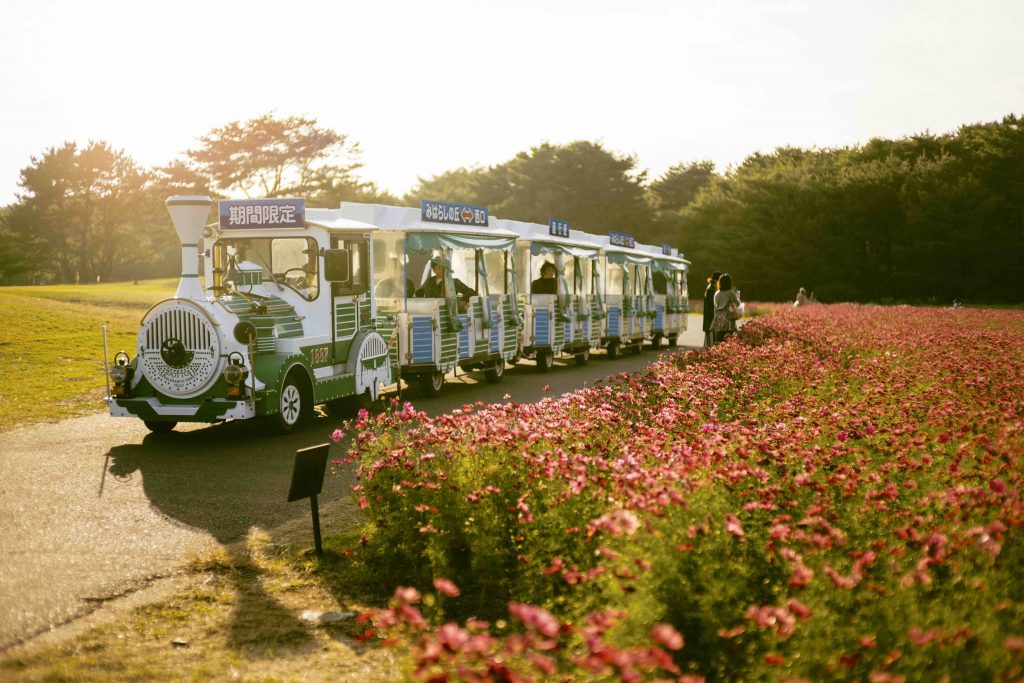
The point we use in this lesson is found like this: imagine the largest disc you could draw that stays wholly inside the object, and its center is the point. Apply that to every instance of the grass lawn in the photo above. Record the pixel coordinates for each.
(51, 345)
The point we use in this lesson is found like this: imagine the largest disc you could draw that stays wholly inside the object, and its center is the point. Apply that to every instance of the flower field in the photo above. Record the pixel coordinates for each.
(834, 494)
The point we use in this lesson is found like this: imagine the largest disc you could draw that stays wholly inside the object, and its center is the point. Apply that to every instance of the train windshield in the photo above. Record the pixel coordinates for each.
(289, 261)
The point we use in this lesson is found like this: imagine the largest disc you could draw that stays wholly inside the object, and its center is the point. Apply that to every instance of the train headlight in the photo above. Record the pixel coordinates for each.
(234, 374)
(119, 374)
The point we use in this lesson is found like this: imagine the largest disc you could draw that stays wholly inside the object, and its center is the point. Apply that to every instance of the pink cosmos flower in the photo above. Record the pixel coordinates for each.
(536, 618)
(452, 636)
(407, 594)
(665, 635)
(446, 587)
(733, 526)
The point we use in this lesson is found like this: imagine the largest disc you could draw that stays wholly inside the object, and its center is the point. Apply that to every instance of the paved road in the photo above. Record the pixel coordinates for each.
(96, 507)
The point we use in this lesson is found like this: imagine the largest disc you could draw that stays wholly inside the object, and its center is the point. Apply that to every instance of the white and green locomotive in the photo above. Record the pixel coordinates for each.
(286, 320)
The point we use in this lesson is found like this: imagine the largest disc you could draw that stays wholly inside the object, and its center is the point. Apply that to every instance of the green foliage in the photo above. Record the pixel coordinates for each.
(283, 157)
(680, 185)
(925, 217)
(81, 212)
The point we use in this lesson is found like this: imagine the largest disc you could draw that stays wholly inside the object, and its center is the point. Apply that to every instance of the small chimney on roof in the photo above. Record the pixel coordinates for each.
(189, 212)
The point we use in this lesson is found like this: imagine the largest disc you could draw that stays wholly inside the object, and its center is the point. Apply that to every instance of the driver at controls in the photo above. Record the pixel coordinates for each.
(305, 283)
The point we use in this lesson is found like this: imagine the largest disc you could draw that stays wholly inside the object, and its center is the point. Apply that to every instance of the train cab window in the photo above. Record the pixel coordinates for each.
(359, 265)
(296, 263)
(292, 262)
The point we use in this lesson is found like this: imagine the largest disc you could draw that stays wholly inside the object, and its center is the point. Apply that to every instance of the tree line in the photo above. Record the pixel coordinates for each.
(923, 218)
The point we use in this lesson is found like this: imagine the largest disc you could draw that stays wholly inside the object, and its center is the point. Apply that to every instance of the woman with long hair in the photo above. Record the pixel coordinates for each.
(726, 309)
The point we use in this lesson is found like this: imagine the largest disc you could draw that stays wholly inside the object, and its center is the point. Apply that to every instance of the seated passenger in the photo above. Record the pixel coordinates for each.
(546, 283)
(433, 288)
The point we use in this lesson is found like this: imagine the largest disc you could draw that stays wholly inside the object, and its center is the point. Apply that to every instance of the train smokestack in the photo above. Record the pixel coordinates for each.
(189, 212)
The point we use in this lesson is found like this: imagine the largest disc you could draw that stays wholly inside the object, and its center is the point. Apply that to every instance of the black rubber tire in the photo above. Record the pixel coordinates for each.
(431, 383)
(613, 350)
(656, 342)
(672, 340)
(159, 427)
(545, 361)
(495, 372)
(295, 406)
(583, 357)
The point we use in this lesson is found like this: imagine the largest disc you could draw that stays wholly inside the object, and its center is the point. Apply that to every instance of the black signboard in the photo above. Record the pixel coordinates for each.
(308, 473)
(621, 239)
(308, 480)
(557, 228)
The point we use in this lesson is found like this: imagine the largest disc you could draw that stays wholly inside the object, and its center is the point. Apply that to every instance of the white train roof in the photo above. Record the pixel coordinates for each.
(409, 218)
(535, 232)
(333, 220)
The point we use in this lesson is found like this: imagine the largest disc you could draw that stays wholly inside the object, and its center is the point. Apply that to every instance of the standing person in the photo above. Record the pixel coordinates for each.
(709, 307)
(726, 309)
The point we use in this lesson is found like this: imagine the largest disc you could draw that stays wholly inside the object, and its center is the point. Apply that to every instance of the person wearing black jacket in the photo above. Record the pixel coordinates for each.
(709, 307)
(433, 288)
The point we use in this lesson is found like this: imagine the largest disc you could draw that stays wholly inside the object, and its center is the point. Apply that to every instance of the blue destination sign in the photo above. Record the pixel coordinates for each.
(239, 214)
(557, 228)
(666, 249)
(458, 214)
(621, 239)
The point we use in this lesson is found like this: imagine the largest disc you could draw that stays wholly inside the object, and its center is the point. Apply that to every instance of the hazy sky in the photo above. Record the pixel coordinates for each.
(428, 86)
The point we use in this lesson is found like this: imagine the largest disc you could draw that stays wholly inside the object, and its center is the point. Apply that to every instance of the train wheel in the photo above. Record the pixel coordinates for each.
(431, 383)
(583, 357)
(613, 350)
(673, 340)
(158, 427)
(494, 373)
(295, 406)
(545, 361)
(656, 342)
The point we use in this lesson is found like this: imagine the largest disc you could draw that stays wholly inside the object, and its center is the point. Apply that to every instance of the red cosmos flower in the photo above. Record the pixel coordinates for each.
(801, 576)
(446, 587)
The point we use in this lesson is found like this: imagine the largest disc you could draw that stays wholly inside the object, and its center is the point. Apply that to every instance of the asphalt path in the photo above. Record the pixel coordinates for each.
(97, 507)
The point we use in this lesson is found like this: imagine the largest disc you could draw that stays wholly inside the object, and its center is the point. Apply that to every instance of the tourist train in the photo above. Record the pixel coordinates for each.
(297, 307)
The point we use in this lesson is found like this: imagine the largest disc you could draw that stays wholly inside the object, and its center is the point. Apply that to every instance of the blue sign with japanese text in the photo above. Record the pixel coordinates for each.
(557, 228)
(621, 239)
(457, 214)
(238, 214)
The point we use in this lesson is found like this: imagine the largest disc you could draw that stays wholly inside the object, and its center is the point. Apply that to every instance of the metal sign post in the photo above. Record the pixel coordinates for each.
(308, 481)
